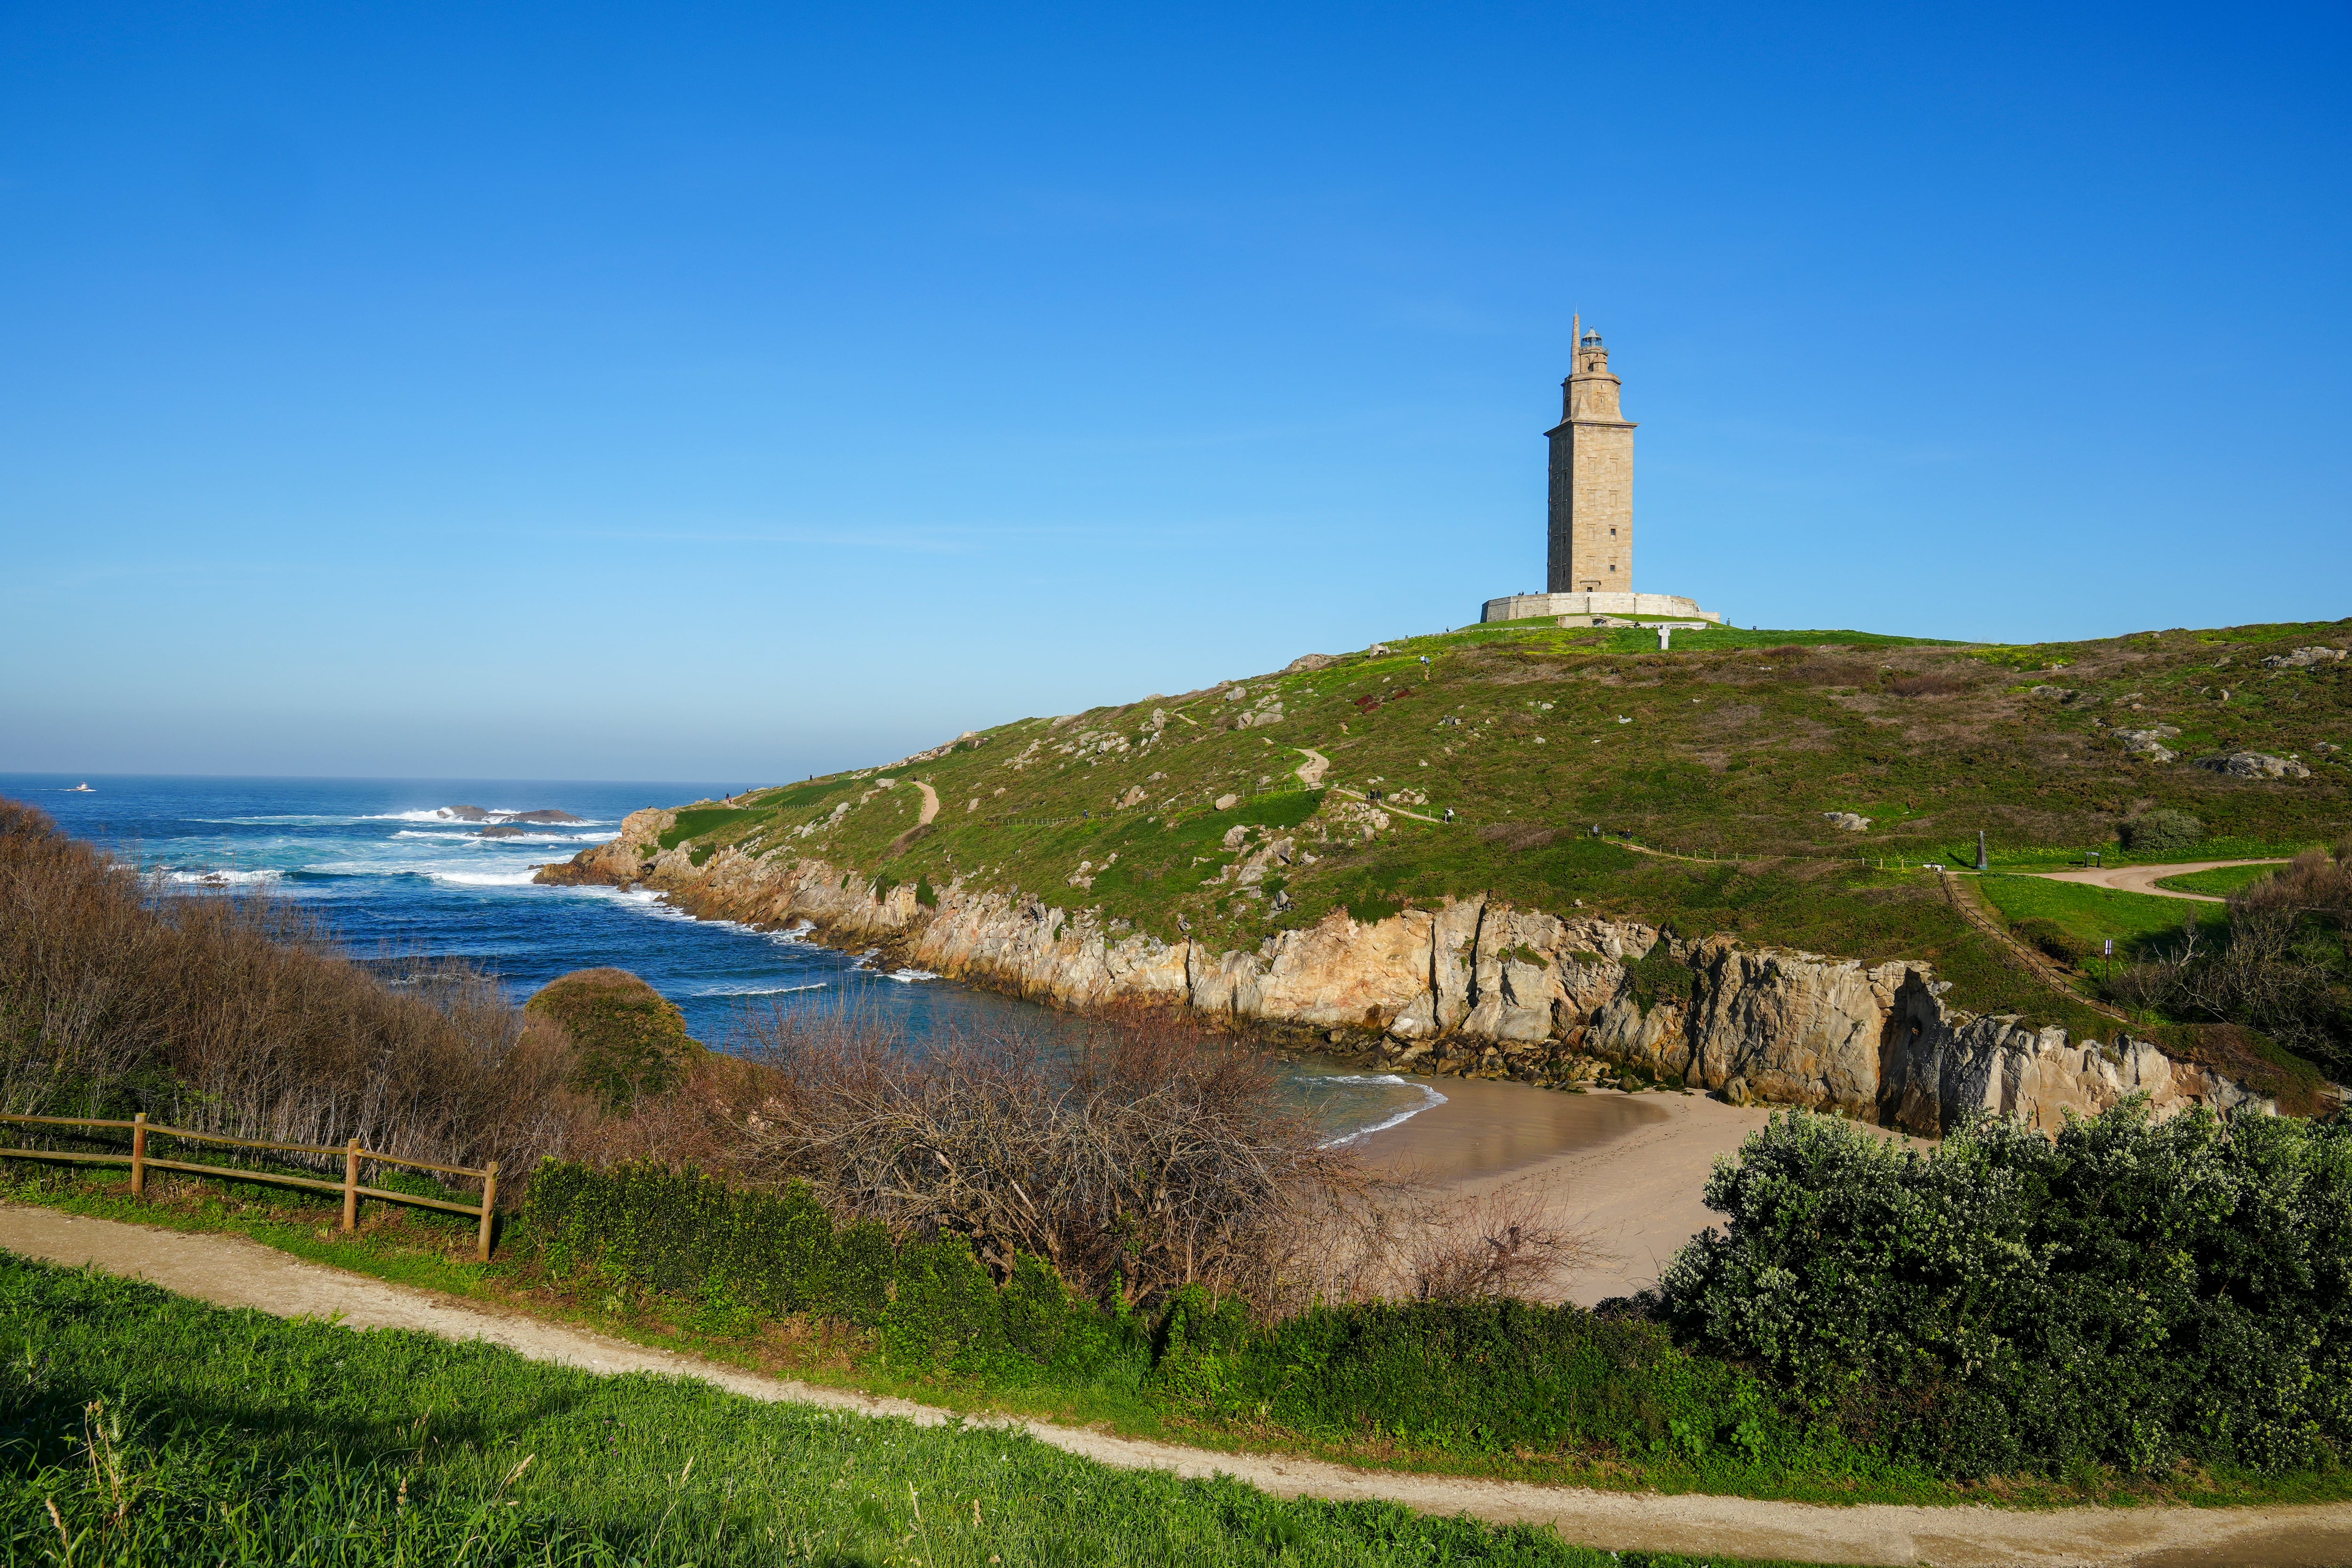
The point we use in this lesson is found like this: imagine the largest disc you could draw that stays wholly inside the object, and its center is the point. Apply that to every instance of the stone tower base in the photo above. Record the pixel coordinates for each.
(1592, 609)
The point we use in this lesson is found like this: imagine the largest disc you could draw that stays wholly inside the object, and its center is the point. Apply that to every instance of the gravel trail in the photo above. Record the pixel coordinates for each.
(2143, 878)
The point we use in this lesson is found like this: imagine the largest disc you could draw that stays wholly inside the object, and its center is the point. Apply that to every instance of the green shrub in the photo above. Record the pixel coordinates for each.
(777, 1253)
(1195, 1352)
(2161, 832)
(1497, 1376)
(1659, 976)
(630, 1038)
(2131, 1293)
(944, 1310)
(682, 1233)
(2051, 938)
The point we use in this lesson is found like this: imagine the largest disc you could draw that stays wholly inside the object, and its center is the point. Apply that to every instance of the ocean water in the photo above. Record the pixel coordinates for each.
(391, 869)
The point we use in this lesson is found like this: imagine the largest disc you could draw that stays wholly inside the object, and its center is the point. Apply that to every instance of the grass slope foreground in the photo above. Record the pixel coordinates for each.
(145, 1428)
(1803, 777)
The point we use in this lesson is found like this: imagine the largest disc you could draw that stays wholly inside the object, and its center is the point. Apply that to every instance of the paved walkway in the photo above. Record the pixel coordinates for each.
(234, 1272)
(2143, 878)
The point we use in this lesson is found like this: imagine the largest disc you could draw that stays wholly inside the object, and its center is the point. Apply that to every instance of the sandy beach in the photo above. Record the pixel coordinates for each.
(1629, 1168)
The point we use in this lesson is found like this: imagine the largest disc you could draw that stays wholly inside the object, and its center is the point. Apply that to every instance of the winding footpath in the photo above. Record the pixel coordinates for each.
(2143, 878)
(231, 1271)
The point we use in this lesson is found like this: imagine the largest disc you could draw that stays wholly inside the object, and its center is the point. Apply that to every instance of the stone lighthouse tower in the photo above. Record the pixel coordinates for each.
(1592, 481)
(1589, 540)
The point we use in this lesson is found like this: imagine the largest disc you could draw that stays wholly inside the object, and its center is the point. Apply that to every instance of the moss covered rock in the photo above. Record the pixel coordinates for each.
(631, 1040)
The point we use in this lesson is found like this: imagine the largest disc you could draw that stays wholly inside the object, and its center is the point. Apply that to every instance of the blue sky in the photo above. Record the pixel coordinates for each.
(692, 392)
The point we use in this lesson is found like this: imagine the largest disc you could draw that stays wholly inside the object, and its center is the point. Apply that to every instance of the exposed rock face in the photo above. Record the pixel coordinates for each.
(1849, 821)
(2306, 658)
(2255, 765)
(1476, 986)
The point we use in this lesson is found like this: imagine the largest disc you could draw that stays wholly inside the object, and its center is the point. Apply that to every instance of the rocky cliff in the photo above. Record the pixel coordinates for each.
(1473, 987)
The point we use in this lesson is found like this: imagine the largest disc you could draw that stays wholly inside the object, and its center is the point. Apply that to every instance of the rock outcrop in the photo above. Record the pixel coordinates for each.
(2149, 742)
(2255, 765)
(1475, 987)
(2306, 659)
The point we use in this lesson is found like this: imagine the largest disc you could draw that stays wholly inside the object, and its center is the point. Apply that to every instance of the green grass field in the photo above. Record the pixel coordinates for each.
(163, 1430)
(2219, 882)
(2142, 924)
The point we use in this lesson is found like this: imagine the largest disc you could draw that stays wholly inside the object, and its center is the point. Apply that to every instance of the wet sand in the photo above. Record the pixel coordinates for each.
(1488, 1129)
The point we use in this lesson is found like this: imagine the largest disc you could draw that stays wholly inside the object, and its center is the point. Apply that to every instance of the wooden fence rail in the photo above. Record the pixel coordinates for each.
(141, 1162)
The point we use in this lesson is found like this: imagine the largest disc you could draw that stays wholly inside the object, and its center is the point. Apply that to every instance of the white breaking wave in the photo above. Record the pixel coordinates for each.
(484, 878)
(646, 901)
(908, 976)
(222, 879)
(442, 814)
(1430, 1098)
(757, 989)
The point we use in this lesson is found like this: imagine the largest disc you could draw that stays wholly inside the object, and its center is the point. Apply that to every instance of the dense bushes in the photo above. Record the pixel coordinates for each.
(931, 1303)
(627, 1038)
(2161, 832)
(1137, 1153)
(232, 1014)
(1496, 1377)
(2285, 969)
(2132, 1293)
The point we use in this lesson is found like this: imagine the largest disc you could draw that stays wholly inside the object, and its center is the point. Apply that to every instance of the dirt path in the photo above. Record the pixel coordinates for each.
(1310, 772)
(234, 1272)
(2143, 878)
(930, 803)
(1391, 808)
(1967, 899)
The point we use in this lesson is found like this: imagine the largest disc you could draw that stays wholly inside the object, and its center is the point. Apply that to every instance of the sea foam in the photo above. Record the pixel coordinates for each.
(1430, 1098)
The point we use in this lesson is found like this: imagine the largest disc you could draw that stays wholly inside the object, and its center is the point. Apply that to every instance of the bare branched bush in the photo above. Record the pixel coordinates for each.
(1143, 1155)
(1500, 1243)
(2284, 969)
(234, 1015)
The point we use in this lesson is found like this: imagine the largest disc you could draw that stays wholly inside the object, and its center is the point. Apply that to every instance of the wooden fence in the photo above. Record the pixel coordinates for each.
(141, 1162)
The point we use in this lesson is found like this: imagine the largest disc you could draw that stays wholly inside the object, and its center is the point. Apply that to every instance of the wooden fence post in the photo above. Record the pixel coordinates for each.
(352, 1186)
(490, 1209)
(139, 1156)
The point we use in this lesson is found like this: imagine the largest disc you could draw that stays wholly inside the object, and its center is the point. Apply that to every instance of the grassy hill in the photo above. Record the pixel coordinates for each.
(1569, 758)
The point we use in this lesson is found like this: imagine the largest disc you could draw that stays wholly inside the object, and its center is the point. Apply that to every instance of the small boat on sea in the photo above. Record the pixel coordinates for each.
(81, 788)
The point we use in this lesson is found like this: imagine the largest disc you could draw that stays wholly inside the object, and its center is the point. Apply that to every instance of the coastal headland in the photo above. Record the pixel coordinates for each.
(1568, 857)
